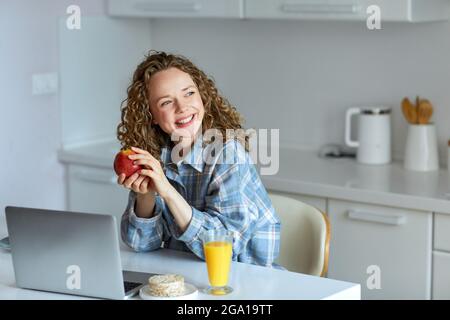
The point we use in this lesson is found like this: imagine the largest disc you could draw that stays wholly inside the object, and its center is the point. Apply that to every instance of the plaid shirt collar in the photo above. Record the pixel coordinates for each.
(194, 158)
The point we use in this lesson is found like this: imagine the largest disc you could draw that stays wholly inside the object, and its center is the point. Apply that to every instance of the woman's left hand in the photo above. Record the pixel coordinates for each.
(152, 169)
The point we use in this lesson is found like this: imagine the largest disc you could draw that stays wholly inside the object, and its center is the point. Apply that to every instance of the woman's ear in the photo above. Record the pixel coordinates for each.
(153, 121)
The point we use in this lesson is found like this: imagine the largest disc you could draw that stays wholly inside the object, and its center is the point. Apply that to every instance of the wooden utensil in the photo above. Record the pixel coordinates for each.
(409, 111)
(425, 111)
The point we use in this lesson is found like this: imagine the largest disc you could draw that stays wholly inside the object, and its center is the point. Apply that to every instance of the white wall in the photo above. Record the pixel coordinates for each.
(30, 130)
(301, 76)
(96, 67)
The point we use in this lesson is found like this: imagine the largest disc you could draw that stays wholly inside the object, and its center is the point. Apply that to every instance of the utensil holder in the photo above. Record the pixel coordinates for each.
(421, 151)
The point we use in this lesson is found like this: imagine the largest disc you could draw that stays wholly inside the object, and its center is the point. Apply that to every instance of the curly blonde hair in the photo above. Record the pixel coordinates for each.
(136, 128)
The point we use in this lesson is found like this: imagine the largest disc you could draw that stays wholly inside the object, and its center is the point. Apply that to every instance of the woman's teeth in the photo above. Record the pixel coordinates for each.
(186, 120)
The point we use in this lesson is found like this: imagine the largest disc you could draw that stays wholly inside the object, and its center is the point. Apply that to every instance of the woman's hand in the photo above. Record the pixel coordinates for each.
(150, 178)
(137, 183)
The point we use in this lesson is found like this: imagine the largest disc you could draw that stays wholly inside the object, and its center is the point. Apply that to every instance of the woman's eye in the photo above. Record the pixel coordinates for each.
(190, 93)
(165, 103)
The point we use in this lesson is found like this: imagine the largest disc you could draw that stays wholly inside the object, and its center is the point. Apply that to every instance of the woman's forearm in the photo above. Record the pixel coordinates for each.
(180, 209)
(145, 205)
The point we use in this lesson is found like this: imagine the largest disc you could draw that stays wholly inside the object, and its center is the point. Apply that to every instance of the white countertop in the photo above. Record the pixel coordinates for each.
(249, 282)
(303, 172)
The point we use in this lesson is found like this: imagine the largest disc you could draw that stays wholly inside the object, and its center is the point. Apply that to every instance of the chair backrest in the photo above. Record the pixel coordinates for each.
(305, 236)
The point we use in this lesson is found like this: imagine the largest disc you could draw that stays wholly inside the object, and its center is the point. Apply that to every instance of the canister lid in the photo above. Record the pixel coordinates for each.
(376, 110)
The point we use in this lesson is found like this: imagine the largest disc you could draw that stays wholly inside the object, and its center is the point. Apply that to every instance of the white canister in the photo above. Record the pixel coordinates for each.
(421, 151)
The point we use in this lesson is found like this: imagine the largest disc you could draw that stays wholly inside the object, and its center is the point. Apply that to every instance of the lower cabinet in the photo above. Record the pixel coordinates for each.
(95, 190)
(441, 257)
(441, 232)
(441, 275)
(387, 250)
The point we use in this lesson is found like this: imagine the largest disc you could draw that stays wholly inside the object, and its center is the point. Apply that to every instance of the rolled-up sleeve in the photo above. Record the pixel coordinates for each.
(142, 234)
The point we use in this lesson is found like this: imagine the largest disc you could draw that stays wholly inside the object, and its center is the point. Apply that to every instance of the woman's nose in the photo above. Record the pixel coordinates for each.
(180, 107)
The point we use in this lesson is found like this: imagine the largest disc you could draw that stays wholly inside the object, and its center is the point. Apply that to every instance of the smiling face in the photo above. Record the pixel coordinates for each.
(175, 103)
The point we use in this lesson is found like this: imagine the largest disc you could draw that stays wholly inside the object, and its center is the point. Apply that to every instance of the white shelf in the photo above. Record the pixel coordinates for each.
(176, 8)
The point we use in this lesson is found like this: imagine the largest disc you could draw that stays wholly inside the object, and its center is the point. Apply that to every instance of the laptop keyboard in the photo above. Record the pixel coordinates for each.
(130, 285)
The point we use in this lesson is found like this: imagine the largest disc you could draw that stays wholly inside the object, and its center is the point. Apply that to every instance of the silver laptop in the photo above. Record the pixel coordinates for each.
(69, 252)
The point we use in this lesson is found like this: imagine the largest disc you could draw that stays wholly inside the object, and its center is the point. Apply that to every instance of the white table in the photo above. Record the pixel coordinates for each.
(248, 281)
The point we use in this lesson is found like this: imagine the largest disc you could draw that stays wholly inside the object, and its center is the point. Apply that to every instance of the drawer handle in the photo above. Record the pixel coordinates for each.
(320, 8)
(168, 6)
(95, 177)
(394, 220)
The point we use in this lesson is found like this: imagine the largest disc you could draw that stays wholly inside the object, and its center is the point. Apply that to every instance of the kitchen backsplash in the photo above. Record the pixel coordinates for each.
(301, 76)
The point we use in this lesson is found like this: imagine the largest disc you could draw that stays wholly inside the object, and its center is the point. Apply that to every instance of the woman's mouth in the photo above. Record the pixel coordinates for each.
(186, 121)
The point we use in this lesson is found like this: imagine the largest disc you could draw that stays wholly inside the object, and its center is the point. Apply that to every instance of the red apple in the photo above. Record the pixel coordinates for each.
(122, 164)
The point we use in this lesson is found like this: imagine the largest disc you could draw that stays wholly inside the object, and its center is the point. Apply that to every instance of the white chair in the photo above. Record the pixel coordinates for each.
(305, 236)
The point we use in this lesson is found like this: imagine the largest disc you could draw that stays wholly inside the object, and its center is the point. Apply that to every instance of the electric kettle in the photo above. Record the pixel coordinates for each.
(374, 134)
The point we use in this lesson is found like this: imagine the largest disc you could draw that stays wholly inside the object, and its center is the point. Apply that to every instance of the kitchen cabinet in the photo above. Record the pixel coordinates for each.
(95, 190)
(398, 10)
(387, 250)
(176, 8)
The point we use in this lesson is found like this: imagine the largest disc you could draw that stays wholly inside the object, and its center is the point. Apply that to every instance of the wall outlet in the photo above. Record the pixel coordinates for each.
(44, 83)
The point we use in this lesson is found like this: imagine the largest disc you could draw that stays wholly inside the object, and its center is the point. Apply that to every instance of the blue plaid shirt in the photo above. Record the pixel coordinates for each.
(223, 195)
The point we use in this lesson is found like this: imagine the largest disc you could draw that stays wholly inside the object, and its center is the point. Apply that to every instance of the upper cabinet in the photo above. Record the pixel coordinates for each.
(177, 8)
(358, 10)
(389, 10)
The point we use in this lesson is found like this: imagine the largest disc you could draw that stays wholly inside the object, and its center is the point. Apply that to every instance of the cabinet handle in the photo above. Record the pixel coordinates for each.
(168, 6)
(95, 177)
(394, 220)
(320, 8)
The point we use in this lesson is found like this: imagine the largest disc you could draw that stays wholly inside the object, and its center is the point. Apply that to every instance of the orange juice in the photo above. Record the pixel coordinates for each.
(218, 260)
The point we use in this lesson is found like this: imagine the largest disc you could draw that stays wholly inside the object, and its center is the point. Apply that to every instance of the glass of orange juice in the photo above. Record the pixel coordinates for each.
(217, 246)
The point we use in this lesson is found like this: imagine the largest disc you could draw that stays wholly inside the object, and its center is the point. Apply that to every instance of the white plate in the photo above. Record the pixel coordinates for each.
(190, 293)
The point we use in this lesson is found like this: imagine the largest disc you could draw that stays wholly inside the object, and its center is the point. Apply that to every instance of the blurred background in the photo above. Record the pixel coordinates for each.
(61, 88)
(297, 75)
